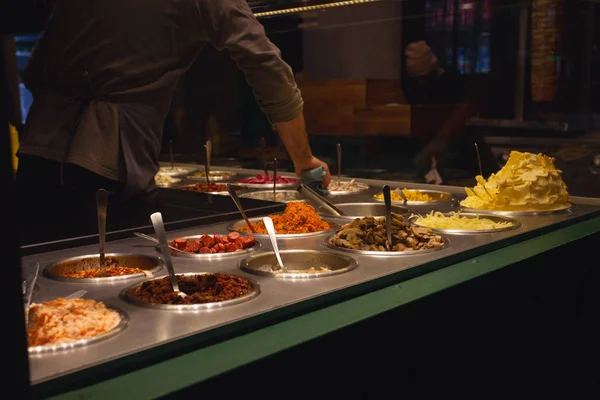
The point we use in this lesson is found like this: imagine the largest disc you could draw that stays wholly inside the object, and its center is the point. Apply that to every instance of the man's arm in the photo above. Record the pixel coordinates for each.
(231, 25)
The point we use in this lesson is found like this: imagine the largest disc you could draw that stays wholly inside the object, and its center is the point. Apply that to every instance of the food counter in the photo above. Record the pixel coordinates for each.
(161, 351)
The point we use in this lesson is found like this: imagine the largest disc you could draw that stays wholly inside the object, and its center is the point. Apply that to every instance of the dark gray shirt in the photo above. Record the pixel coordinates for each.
(104, 71)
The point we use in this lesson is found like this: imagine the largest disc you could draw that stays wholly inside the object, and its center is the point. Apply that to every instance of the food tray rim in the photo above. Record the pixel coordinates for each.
(126, 296)
(347, 192)
(55, 348)
(268, 186)
(516, 224)
(409, 211)
(567, 208)
(252, 194)
(254, 249)
(334, 226)
(188, 171)
(109, 279)
(175, 182)
(221, 176)
(450, 199)
(352, 264)
(387, 253)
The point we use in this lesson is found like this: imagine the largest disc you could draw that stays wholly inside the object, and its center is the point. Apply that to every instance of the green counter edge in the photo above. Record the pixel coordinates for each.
(225, 356)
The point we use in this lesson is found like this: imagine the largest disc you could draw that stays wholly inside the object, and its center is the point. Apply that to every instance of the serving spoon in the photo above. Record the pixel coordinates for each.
(102, 205)
(29, 292)
(155, 240)
(238, 204)
(387, 198)
(208, 147)
(159, 227)
(271, 231)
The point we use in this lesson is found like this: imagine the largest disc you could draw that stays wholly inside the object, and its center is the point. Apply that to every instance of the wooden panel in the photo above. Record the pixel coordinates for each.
(329, 105)
(383, 120)
(382, 92)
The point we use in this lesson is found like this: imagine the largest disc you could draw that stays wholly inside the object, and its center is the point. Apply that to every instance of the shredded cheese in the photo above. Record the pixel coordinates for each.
(438, 220)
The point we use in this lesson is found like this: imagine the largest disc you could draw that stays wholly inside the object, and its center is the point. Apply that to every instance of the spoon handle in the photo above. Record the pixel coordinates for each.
(102, 205)
(387, 197)
(208, 147)
(263, 155)
(339, 162)
(76, 295)
(271, 231)
(159, 227)
(238, 204)
(30, 288)
(274, 179)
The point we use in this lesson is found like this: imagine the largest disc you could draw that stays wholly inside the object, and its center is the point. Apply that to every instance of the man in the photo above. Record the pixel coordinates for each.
(103, 75)
(430, 83)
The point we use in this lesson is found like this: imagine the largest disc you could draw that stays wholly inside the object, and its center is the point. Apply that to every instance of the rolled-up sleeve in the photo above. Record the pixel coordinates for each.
(230, 24)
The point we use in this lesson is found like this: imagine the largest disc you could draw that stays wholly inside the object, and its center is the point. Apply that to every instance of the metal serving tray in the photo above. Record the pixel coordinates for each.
(214, 176)
(267, 186)
(562, 210)
(185, 187)
(57, 270)
(127, 295)
(281, 196)
(237, 225)
(360, 210)
(495, 218)
(361, 187)
(209, 256)
(299, 261)
(437, 195)
(53, 348)
(173, 182)
(176, 170)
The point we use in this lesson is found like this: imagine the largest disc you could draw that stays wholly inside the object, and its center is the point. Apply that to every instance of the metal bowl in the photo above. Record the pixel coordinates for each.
(151, 264)
(257, 246)
(237, 225)
(386, 253)
(299, 261)
(127, 295)
(495, 218)
(123, 323)
(267, 186)
(360, 210)
(282, 196)
(438, 197)
(214, 176)
(186, 187)
(361, 187)
(176, 170)
(173, 182)
(560, 210)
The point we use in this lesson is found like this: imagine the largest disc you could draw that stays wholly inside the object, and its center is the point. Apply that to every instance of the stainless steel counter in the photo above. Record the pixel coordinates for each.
(148, 327)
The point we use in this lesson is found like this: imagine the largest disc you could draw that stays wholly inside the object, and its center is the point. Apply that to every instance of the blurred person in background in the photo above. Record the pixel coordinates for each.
(430, 83)
(103, 75)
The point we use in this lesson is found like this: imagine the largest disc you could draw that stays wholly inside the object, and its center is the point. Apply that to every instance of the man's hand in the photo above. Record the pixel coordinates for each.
(294, 138)
(420, 61)
(312, 163)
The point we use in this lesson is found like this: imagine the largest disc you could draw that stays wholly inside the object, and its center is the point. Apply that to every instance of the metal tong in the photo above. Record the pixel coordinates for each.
(317, 198)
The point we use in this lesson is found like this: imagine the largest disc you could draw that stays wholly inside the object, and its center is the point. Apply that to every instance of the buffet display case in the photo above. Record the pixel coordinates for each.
(168, 335)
